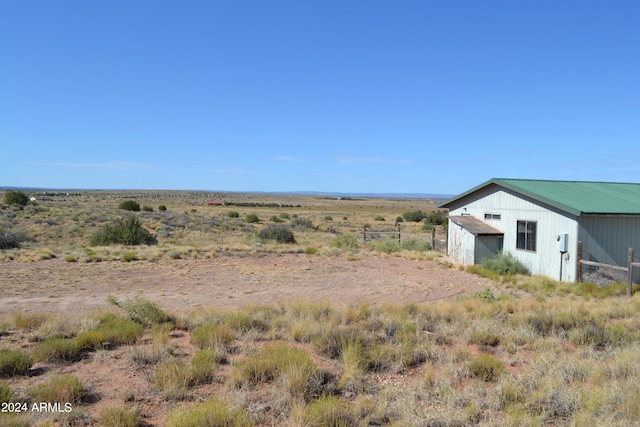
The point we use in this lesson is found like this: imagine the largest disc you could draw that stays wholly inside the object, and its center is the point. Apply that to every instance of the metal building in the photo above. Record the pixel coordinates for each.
(540, 223)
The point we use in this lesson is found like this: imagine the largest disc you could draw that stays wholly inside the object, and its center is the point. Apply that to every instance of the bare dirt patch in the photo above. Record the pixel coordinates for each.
(228, 281)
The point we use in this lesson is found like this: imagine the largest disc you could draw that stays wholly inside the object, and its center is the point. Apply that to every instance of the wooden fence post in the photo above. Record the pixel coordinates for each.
(398, 228)
(433, 238)
(579, 264)
(630, 273)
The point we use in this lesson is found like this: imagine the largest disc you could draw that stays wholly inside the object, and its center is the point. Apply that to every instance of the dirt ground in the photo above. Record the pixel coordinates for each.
(69, 289)
(227, 281)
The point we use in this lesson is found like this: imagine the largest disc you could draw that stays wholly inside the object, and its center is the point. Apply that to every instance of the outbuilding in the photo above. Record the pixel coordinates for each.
(540, 222)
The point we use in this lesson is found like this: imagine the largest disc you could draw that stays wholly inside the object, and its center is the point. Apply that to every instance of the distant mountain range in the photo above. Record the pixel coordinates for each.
(430, 196)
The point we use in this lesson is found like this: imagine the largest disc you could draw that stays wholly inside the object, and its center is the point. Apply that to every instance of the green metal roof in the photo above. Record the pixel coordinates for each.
(575, 197)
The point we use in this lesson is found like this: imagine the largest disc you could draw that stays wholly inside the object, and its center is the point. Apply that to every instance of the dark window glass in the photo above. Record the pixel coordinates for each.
(527, 235)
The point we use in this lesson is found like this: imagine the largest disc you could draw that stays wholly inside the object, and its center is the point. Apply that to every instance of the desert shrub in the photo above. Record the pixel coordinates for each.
(130, 205)
(284, 215)
(172, 379)
(56, 349)
(120, 416)
(329, 411)
(119, 331)
(70, 258)
(505, 264)
(142, 310)
(211, 335)
(344, 241)
(379, 218)
(328, 218)
(128, 231)
(386, 245)
(129, 256)
(310, 250)
(485, 295)
(274, 218)
(301, 223)
(233, 214)
(269, 363)
(5, 392)
(146, 208)
(12, 197)
(414, 216)
(59, 388)
(251, 218)
(10, 239)
(31, 321)
(162, 208)
(486, 367)
(203, 366)
(213, 413)
(14, 362)
(278, 232)
(90, 340)
(419, 245)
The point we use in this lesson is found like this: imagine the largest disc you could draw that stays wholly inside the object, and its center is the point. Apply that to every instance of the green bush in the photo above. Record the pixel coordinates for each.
(344, 241)
(329, 411)
(5, 392)
(301, 223)
(128, 231)
(386, 245)
(162, 208)
(130, 256)
(212, 335)
(130, 205)
(14, 362)
(203, 366)
(12, 197)
(278, 232)
(414, 216)
(142, 310)
(213, 413)
(379, 218)
(418, 245)
(56, 349)
(233, 214)
(10, 239)
(172, 379)
(120, 416)
(505, 264)
(251, 218)
(486, 367)
(59, 388)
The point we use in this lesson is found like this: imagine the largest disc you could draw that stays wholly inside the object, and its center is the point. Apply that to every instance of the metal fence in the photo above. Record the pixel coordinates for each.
(603, 274)
(437, 244)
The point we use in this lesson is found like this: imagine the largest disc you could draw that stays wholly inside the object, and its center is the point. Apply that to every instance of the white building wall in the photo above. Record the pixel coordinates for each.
(461, 244)
(512, 208)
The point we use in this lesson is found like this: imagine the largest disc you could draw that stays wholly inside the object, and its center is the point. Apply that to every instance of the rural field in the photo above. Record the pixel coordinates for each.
(156, 308)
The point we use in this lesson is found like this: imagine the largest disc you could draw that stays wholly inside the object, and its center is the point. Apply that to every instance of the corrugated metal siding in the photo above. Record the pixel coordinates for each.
(513, 207)
(607, 239)
(461, 245)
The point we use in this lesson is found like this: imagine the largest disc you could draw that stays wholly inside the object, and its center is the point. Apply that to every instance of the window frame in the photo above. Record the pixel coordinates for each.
(493, 216)
(526, 240)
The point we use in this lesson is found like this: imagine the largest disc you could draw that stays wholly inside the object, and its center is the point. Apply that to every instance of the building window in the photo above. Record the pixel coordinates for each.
(526, 235)
(492, 216)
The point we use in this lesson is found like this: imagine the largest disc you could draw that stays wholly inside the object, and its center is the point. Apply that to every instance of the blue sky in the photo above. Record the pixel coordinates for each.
(321, 95)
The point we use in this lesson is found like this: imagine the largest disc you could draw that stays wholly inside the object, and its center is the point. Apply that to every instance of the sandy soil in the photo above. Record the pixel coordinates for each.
(180, 285)
(227, 281)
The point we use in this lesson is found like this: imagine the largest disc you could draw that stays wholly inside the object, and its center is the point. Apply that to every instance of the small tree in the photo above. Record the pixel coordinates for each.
(130, 205)
(128, 231)
(16, 198)
(278, 232)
